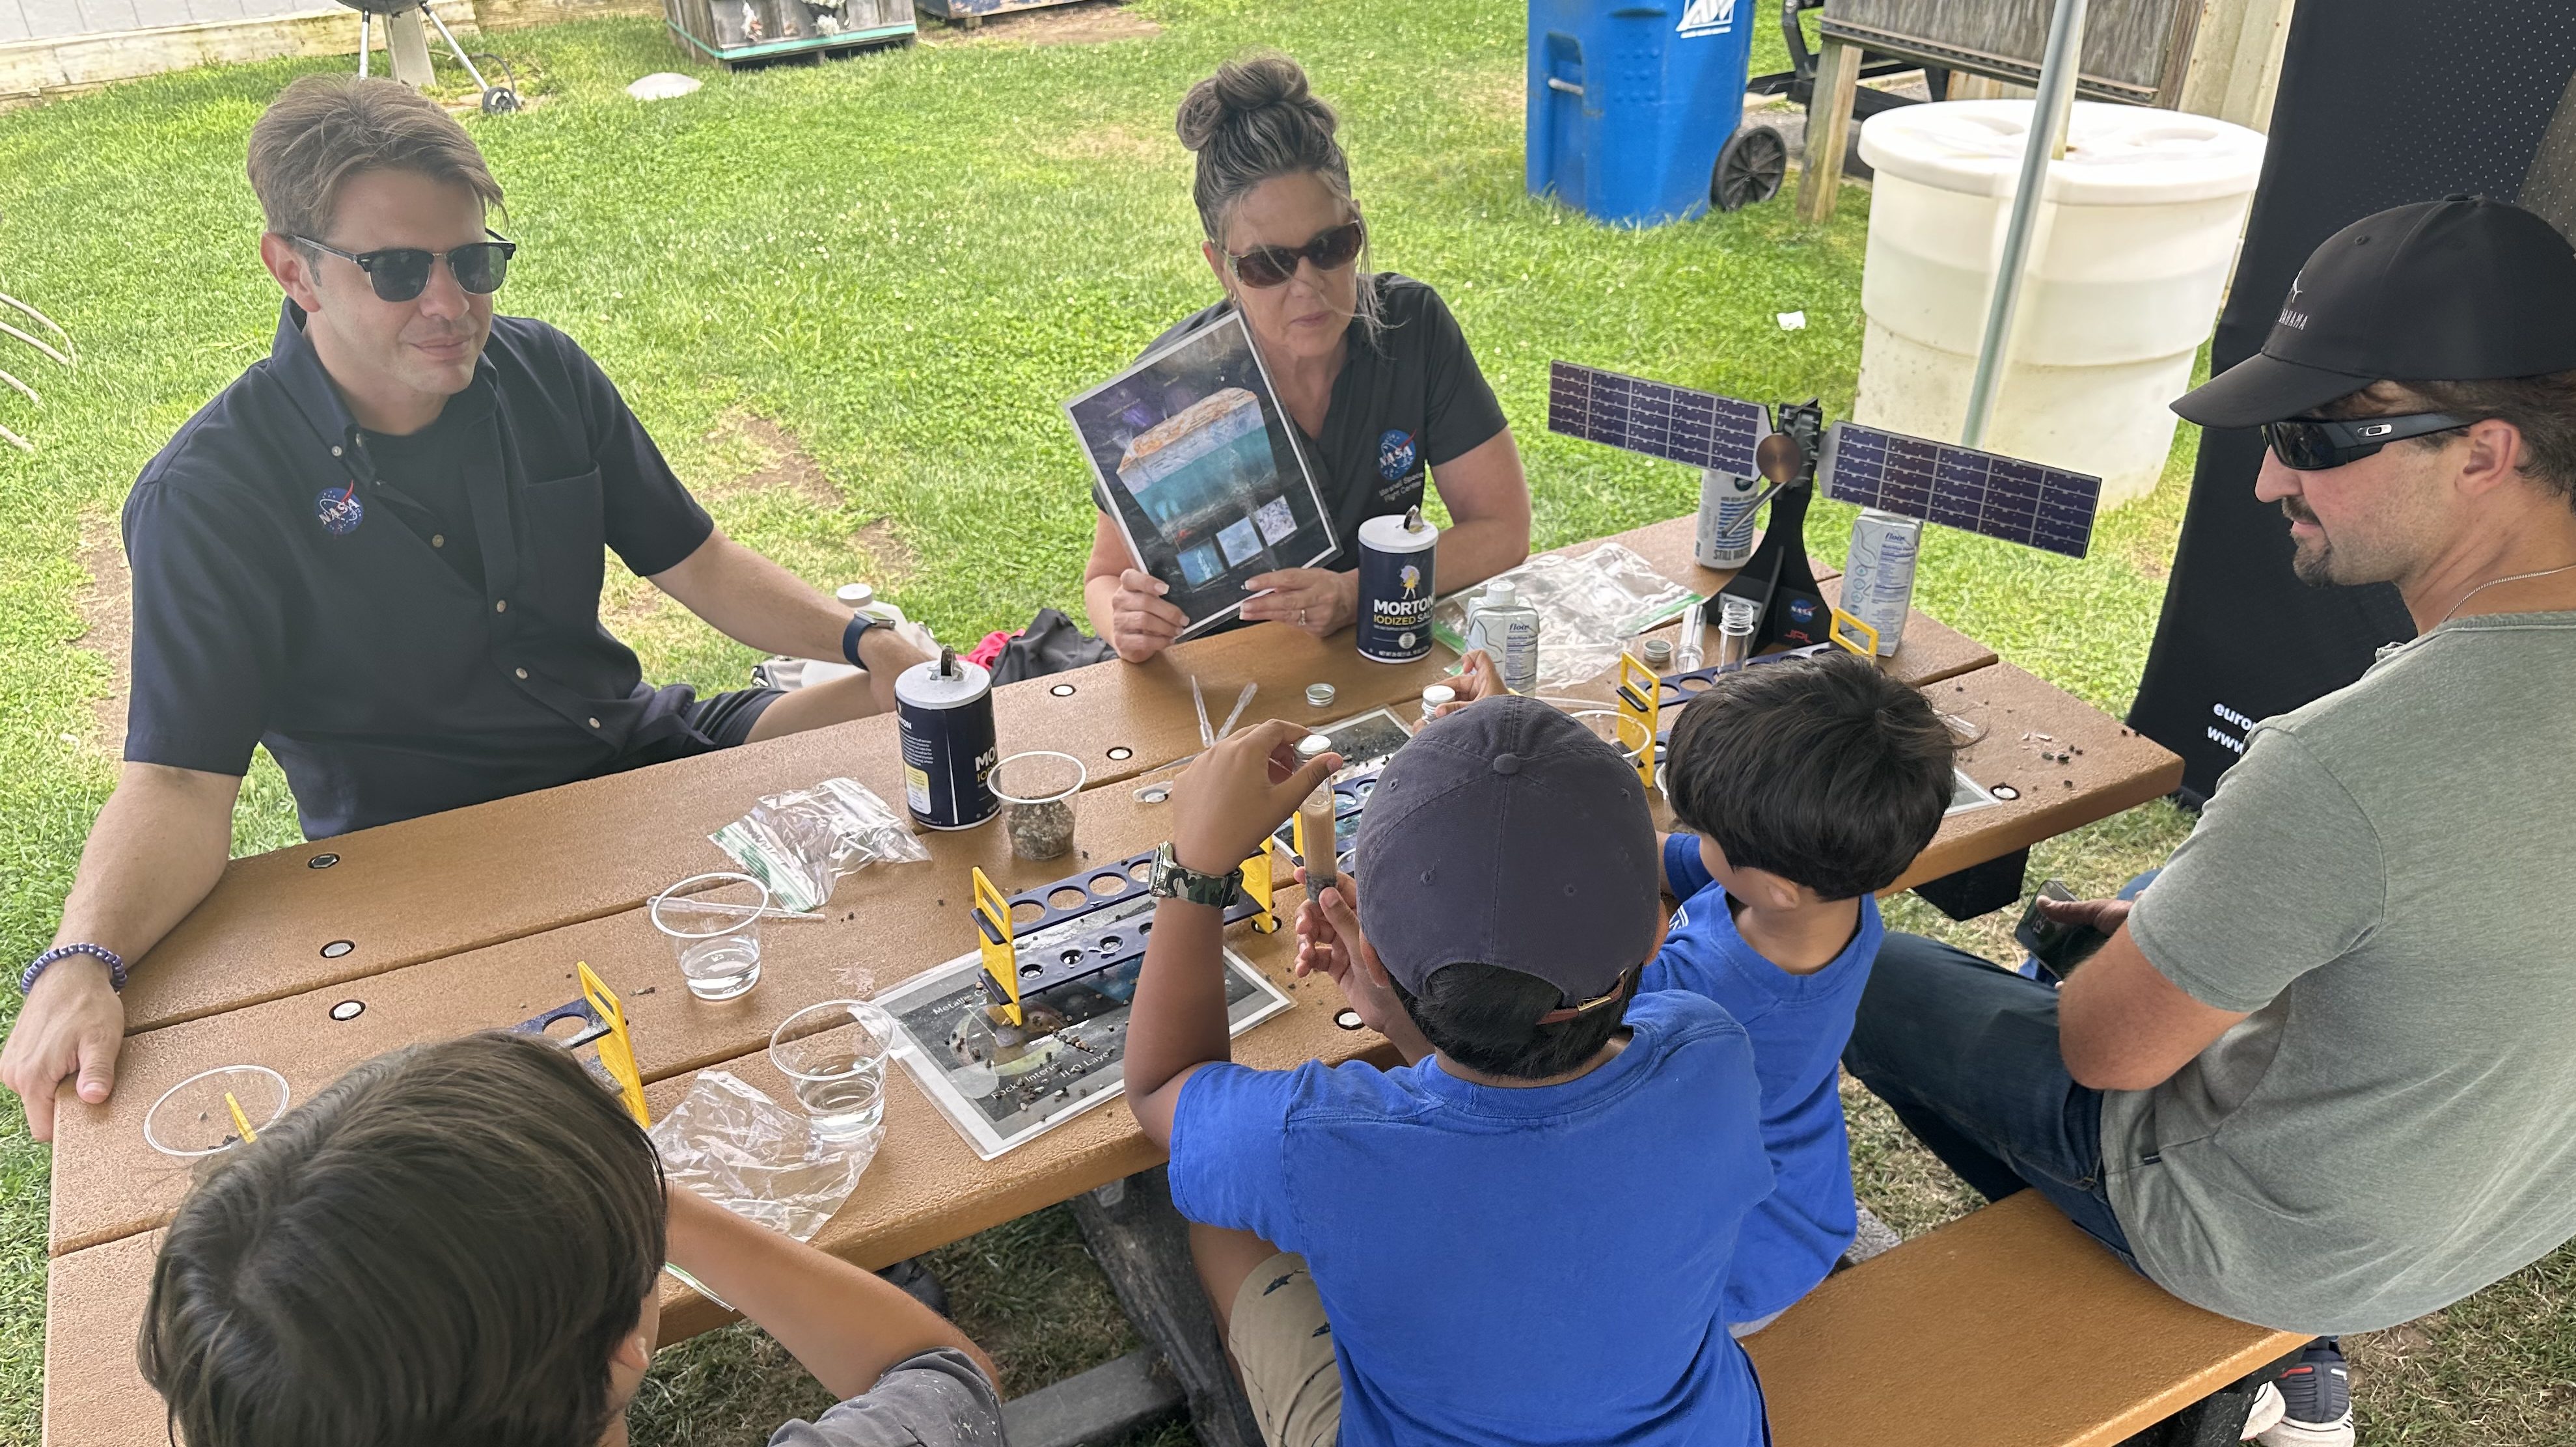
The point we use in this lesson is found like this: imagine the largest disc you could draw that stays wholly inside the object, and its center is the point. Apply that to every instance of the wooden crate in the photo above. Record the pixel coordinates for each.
(738, 32)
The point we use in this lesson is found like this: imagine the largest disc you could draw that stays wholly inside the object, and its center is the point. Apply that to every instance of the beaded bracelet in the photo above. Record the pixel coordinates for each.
(115, 965)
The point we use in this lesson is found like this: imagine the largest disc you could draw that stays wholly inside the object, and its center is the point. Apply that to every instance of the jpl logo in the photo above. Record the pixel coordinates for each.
(1707, 17)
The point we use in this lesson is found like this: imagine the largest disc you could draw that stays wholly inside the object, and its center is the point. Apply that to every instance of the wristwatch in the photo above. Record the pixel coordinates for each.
(860, 622)
(1172, 879)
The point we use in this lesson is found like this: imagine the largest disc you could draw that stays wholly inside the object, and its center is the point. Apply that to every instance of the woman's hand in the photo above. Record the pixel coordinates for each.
(1141, 624)
(1231, 797)
(1317, 600)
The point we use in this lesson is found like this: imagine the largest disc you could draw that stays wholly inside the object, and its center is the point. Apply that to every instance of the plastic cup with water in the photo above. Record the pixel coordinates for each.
(713, 924)
(834, 1057)
(1617, 730)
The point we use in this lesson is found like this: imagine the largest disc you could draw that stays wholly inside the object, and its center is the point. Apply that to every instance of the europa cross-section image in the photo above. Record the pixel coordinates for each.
(1193, 459)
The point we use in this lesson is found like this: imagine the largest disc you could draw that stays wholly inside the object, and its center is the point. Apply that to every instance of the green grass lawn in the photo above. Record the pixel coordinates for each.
(847, 299)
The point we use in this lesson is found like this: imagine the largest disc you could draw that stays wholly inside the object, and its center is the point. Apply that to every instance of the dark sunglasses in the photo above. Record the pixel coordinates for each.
(399, 273)
(2313, 444)
(1268, 266)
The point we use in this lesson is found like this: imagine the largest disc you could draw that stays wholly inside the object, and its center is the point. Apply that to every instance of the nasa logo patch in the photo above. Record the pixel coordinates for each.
(1395, 454)
(1802, 611)
(339, 510)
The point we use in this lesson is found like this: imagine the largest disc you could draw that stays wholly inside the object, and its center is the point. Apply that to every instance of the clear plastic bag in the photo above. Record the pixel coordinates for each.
(1589, 606)
(801, 843)
(747, 1153)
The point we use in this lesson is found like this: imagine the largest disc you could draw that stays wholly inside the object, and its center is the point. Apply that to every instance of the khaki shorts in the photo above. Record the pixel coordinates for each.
(1284, 1348)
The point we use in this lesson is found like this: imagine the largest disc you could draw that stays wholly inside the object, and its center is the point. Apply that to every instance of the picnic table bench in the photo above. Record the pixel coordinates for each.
(474, 919)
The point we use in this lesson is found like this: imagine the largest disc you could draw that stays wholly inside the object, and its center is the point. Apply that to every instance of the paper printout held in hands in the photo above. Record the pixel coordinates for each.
(1196, 463)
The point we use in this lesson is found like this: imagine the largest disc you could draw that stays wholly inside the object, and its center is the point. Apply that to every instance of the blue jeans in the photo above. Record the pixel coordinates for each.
(1966, 1055)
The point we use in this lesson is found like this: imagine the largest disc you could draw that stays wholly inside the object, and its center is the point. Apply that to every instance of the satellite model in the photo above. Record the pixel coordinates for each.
(1960, 487)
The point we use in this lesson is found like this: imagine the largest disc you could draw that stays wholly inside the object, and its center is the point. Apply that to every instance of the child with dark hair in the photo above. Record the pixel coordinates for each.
(1524, 1234)
(1807, 787)
(460, 1243)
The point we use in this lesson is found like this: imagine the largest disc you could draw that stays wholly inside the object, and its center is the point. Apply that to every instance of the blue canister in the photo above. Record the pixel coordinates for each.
(945, 709)
(1395, 587)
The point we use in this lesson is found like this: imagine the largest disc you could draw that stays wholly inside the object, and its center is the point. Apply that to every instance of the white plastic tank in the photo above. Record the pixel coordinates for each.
(2135, 237)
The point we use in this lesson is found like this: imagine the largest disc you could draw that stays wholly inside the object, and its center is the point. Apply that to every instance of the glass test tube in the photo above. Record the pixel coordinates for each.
(1735, 622)
(1315, 821)
(1687, 654)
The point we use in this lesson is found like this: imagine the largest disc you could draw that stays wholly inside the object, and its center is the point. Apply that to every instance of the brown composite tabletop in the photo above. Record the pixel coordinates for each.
(473, 918)
(886, 923)
(428, 887)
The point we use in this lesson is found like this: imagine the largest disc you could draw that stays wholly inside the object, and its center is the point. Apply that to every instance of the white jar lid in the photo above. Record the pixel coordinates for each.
(2116, 155)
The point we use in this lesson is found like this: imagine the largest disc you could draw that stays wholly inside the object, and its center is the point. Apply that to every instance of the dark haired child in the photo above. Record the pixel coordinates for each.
(1808, 787)
(1523, 1235)
(460, 1243)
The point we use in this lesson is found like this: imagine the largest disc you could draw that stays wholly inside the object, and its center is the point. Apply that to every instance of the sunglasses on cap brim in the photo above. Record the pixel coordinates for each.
(400, 273)
(2314, 444)
(1269, 266)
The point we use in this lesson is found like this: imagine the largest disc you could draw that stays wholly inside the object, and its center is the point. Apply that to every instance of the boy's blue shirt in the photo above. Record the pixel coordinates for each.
(1798, 1025)
(1533, 1266)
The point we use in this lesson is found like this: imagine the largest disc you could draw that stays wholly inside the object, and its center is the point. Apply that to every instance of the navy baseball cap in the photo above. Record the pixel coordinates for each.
(1508, 834)
(2461, 290)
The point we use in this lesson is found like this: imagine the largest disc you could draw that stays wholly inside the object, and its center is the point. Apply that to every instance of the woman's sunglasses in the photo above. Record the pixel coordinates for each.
(400, 273)
(2313, 444)
(1268, 266)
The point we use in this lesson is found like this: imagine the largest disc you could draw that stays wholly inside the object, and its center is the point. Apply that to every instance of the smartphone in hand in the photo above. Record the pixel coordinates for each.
(2058, 946)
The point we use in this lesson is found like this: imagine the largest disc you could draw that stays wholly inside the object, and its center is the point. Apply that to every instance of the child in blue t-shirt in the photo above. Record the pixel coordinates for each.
(1810, 787)
(1523, 1235)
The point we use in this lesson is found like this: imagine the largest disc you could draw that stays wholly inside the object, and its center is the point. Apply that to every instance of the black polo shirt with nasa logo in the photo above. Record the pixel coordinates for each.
(409, 624)
(1407, 400)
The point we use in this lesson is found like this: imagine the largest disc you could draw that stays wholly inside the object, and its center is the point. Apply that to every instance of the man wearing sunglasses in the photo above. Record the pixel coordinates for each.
(380, 553)
(2318, 1077)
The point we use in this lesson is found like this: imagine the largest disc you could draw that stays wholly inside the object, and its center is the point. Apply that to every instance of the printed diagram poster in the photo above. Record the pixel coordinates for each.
(1195, 462)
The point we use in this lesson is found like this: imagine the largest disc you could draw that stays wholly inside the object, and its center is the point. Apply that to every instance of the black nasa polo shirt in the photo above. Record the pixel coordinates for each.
(286, 593)
(1408, 400)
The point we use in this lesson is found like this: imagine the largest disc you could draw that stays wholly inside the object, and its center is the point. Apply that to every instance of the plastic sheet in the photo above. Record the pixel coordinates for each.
(1589, 607)
(801, 843)
(747, 1153)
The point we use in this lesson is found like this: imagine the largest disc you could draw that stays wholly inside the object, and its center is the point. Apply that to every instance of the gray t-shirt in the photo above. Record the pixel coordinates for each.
(2384, 881)
(937, 1399)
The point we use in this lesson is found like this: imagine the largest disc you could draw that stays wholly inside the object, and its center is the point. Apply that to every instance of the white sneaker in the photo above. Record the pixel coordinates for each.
(2316, 1398)
(2265, 1413)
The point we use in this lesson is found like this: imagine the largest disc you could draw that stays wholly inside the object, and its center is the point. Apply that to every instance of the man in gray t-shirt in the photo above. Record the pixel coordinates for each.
(2321, 1077)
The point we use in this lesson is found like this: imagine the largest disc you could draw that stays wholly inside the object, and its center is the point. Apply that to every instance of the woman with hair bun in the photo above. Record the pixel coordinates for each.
(1370, 366)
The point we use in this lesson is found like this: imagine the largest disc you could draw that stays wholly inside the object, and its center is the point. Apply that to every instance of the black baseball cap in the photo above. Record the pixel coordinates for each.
(2460, 290)
(1508, 834)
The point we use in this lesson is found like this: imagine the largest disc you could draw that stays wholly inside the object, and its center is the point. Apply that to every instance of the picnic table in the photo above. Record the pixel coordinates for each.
(474, 919)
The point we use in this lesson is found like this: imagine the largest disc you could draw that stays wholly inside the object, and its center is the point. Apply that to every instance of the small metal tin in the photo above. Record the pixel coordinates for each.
(1319, 695)
(1659, 653)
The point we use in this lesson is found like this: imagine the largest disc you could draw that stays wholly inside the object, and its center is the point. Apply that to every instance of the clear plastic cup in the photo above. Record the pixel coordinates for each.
(1617, 730)
(834, 1056)
(192, 1118)
(1036, 790)
(713, 924)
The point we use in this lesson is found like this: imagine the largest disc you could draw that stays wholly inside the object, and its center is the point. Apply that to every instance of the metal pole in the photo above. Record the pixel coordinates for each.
(2057, 67)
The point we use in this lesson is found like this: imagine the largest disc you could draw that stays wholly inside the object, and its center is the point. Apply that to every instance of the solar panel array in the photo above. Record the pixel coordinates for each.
(1959, 487)
(1655, 418)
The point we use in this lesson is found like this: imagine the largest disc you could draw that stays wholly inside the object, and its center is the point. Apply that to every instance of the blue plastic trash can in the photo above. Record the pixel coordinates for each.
(1630, 101)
